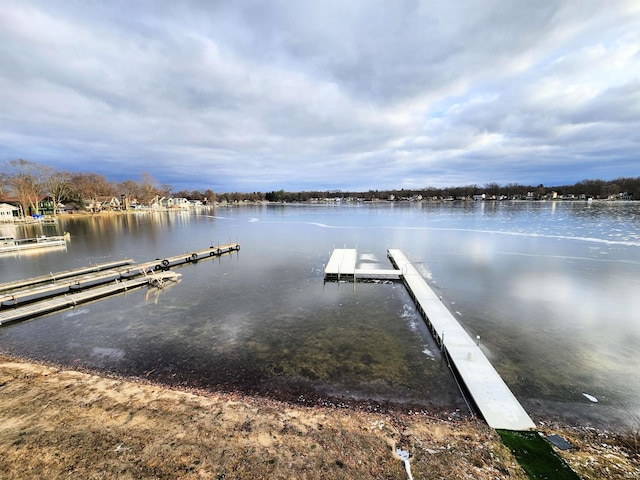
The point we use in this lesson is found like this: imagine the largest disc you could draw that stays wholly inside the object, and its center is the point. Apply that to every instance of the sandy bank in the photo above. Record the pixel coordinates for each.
(57, 423)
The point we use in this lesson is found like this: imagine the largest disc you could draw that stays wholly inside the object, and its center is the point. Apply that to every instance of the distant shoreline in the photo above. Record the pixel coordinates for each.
(141, 211)
(333, 202)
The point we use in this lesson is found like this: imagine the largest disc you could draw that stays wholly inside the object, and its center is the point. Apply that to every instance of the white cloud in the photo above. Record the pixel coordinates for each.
(376, 94)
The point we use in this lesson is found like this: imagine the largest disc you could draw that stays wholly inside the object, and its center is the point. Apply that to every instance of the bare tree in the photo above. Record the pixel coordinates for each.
(149, 189)
(165, 190)
(89, 187)
(492, 188)
(209, 195)
(129, 189)
(195, 195)
(24, 181)
(57, 185)
(4, 181)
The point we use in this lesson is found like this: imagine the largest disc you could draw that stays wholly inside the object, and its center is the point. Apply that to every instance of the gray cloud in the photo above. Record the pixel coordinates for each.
(264, 95)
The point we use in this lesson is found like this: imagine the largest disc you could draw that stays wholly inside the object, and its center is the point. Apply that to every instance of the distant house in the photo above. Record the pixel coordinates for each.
(479, 197)
(111, 203)
(158, 202)
(171, 202)
(177, 203)
(8, 213)
(45, 207)
(70, 207)
(103, 203)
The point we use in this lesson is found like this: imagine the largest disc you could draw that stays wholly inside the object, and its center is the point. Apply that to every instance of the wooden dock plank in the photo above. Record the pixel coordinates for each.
(490, 393)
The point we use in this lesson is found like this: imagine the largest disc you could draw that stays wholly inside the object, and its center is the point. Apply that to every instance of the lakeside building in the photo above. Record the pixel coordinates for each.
(8, 213)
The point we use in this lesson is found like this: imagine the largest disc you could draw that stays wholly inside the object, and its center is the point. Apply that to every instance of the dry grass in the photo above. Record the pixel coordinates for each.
(66, 424)
(599, 454)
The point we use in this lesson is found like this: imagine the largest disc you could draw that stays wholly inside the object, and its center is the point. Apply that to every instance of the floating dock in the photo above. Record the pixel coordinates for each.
(20, 304)
(11, 244)
(66, 301)
(52, 277)
(46, 286)
(189, 257)
(18, 297)
(490, 394)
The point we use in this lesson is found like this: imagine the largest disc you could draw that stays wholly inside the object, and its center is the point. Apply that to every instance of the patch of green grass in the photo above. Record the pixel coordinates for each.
(536, 456)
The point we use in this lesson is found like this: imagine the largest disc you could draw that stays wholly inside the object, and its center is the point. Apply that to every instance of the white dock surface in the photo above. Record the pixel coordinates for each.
(343, 262)
(492, 396)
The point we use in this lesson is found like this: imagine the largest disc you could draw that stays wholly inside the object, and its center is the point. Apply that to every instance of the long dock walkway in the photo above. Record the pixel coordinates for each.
(67, 301)
(64, 282)
(18, 304)
(492, 396)
(52, 277)
(190, 257)
(70, 284)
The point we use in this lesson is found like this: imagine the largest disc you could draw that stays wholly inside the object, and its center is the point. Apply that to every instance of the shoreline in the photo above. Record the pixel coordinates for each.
(147, 210)
(57, 422)
(294, 398)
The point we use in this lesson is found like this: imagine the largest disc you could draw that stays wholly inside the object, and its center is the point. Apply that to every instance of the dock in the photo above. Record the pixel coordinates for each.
(490, 394)
(11, 244)
(67, 301)
(52, 277)
(48, 293)
(11, 295)
(189, 257)
(343, 263)
(75, 283)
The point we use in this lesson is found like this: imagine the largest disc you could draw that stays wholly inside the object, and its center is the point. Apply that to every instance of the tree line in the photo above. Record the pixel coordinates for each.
(27, 183)
(589, 188)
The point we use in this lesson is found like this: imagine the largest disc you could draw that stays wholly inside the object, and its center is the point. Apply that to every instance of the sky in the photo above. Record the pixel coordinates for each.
(254, 96)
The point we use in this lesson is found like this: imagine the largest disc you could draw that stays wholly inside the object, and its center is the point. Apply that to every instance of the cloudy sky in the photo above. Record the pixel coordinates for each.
(303, 95)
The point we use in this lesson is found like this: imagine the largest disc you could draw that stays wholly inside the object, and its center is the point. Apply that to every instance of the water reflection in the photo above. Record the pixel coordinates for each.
(552, 289)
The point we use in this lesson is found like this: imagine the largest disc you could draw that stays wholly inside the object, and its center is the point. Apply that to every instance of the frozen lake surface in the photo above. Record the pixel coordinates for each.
(552, 288)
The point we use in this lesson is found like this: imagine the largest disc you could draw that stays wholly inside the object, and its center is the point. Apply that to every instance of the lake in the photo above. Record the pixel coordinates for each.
(551, 288)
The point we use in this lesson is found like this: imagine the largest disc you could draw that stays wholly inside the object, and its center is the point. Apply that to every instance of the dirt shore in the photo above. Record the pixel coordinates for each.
(57, 423)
